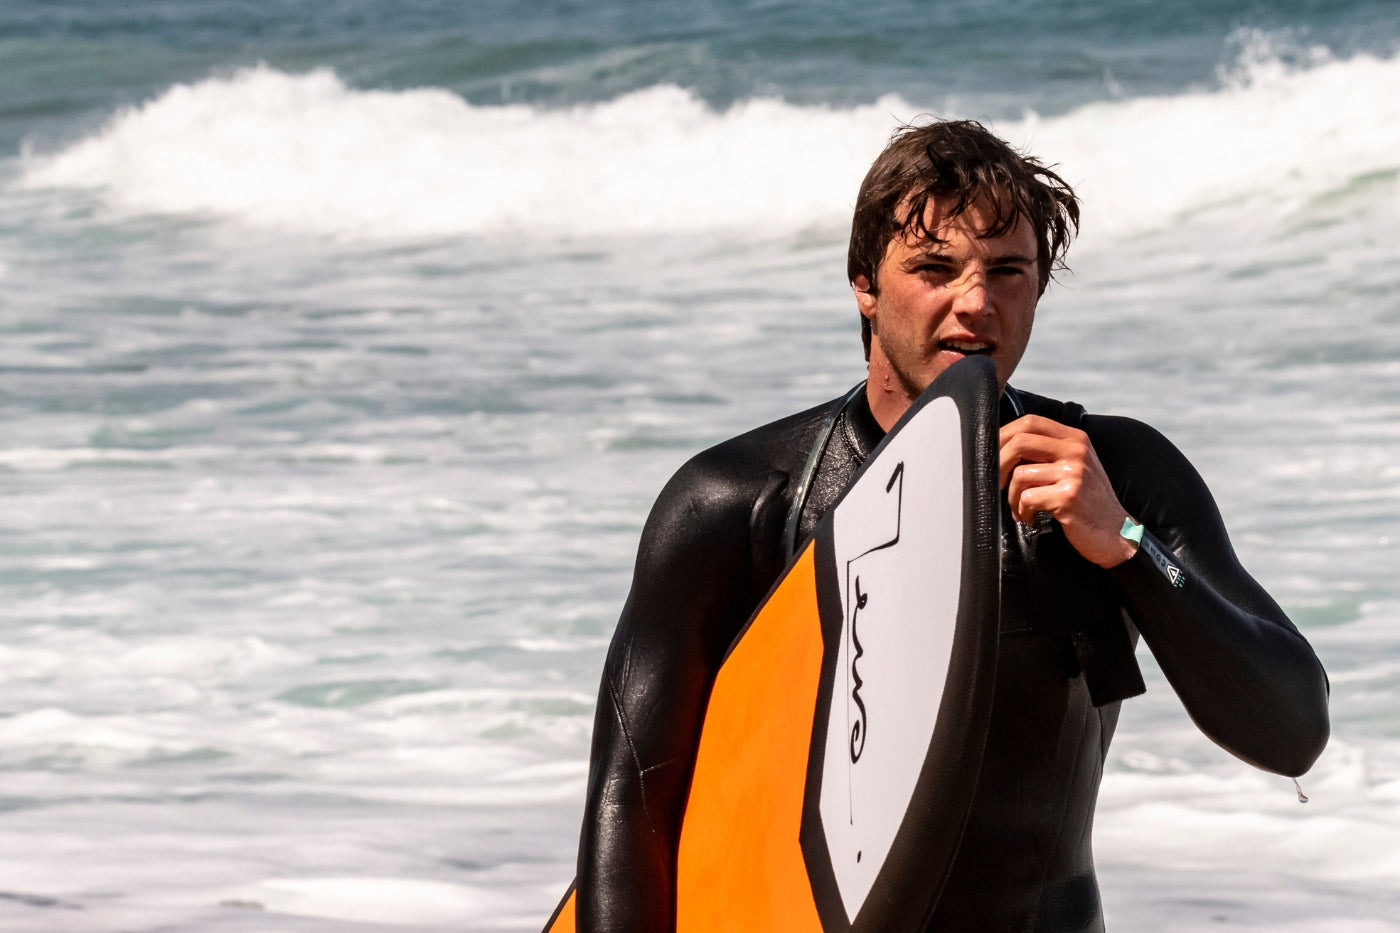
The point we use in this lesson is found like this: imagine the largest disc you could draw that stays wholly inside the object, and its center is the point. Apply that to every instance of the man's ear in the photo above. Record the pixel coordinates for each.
(865, 298)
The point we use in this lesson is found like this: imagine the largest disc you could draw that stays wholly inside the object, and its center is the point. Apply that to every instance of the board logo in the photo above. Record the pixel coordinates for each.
(856, 649)
(857, 730)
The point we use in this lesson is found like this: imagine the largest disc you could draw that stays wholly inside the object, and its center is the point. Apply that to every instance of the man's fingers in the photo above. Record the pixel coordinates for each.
(1042, 487)
(1028, 501)
(1036, 424)
(1022, 448)
(1049, 467)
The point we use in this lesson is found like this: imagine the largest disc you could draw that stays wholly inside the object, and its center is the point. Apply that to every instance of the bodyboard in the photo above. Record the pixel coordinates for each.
(843, 736)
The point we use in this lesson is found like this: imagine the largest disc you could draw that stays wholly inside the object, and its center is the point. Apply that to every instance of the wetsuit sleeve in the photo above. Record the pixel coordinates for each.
(1246, 676)
(689, 598)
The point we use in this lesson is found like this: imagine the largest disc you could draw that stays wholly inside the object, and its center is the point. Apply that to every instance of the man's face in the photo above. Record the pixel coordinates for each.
(950, 296)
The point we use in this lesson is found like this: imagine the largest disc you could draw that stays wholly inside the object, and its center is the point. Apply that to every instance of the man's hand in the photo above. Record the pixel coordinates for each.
(1048, 467)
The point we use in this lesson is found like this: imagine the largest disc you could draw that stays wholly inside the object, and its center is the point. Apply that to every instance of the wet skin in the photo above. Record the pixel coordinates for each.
(936, 300)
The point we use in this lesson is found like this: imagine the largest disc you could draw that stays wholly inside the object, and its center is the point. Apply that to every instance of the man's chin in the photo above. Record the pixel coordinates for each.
(914, 384)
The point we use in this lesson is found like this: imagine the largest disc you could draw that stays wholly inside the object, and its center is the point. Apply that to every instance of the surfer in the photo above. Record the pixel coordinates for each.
(1108, 533)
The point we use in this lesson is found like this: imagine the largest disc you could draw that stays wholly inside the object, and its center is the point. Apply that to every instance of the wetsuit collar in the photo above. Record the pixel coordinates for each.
(1011, 406)
(862, 430)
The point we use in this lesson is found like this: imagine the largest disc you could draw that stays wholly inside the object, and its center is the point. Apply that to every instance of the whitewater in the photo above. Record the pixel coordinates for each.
(305, 153)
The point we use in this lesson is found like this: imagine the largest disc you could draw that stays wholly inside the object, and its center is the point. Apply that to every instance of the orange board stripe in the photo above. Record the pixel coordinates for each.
(740, 864)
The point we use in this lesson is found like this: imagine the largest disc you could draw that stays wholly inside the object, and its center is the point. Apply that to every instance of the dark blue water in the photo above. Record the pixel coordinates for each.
(61, 60)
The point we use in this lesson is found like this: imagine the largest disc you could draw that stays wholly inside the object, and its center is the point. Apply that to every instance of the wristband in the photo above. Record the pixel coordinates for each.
(1131, 531)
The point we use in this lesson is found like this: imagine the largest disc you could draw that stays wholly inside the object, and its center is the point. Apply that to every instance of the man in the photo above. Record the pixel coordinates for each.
(1107, 532)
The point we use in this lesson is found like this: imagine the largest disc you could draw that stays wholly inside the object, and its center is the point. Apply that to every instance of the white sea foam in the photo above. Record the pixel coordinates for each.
(304, 152)
(404, 901)
(90, 655)
(1273, 138)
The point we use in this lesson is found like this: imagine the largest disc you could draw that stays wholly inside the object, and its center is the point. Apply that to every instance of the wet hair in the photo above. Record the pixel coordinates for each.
(960, 162)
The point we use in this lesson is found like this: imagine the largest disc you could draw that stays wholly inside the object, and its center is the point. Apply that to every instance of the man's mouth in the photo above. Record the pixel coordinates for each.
(966, 347)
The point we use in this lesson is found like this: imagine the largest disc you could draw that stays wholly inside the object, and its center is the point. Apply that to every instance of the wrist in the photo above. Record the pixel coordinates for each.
(1131, 532)
(1129, 539)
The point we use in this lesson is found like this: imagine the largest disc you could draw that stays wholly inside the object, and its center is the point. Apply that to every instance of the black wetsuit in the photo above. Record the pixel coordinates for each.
(712, 548)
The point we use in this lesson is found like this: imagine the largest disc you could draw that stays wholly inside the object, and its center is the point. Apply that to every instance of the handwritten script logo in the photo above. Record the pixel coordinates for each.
(858, 730)
(861, 726)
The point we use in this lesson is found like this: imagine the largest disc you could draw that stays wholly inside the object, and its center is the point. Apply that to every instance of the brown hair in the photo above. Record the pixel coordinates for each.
(961, 161)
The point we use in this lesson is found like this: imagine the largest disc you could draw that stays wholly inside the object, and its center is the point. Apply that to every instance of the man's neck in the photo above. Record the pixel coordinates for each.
(888, 396)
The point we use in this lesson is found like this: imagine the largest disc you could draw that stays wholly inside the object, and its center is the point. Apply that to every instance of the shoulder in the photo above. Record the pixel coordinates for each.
(1121, 439)
(713, 539)
(719, 491)
(1135, 454)
(735, 470)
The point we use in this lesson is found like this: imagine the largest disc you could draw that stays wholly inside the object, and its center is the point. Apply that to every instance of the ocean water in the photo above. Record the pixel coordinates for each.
(346, 345)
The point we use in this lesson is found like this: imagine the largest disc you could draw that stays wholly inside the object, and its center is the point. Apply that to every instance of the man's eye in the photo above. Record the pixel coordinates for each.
(1008, 270)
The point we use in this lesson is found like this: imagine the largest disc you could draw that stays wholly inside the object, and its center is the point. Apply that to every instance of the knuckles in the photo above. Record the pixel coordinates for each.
(1050, 467)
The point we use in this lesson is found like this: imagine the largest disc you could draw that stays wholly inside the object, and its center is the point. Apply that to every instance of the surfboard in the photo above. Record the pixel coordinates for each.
(844, 733)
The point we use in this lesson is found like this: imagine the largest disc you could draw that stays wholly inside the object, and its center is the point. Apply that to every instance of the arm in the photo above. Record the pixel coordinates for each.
(1245, 675)
(691, 593)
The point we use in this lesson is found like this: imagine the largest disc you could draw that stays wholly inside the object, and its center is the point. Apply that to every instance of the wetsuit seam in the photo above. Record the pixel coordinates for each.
(1084, 827)
(632, 751)
(1105, 739)
(1059, 836)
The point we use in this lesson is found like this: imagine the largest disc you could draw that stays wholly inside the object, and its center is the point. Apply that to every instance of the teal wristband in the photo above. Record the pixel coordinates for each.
(1131, 531)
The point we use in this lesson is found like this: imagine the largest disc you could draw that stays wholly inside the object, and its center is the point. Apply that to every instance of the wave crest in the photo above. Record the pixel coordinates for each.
(304, 152)
(307, 153)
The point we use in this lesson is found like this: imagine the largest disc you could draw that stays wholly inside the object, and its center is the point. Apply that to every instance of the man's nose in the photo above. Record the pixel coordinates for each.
(970, 295)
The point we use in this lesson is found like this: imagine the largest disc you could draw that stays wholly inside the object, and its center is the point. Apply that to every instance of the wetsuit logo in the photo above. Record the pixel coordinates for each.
(1174, 574)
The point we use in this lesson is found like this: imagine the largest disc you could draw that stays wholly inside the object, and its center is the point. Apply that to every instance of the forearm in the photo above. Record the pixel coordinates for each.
(1247, 678)
(655, 684)
(626, 862)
